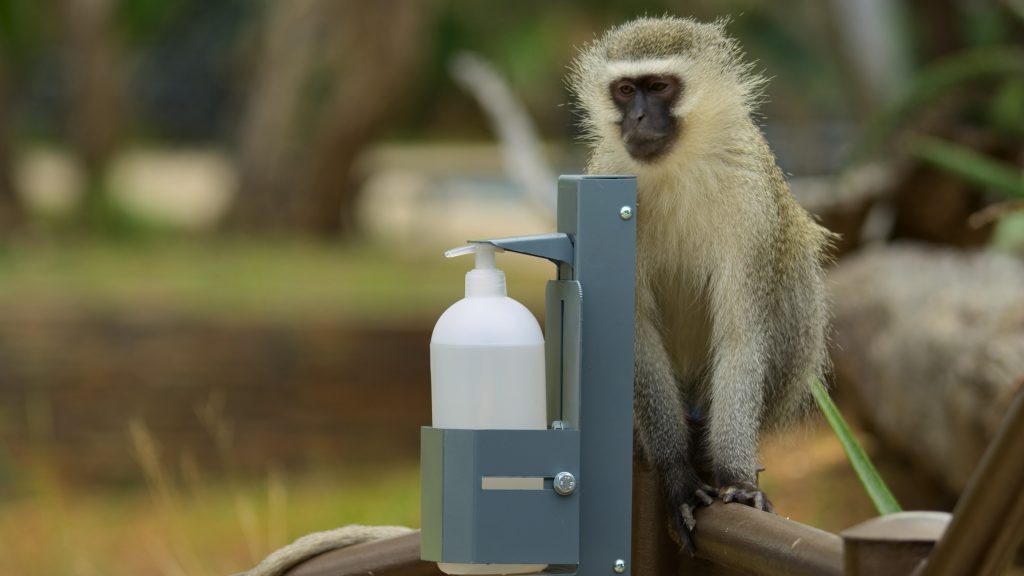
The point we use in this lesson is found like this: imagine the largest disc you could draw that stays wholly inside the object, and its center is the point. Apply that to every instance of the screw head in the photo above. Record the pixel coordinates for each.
(626, 212)
(620, 566)
(564, 484)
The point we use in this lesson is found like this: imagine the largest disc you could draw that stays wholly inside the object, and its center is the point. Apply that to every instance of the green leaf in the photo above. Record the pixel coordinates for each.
(1007, 111)
(935, 81)
(1009, 233)
(969, 165)
(879, 493)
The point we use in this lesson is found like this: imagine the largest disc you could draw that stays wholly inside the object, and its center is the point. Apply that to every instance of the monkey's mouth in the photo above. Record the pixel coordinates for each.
(647, 146)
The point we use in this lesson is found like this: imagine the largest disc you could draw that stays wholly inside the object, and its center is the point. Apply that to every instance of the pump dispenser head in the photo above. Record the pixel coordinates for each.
(485, 279)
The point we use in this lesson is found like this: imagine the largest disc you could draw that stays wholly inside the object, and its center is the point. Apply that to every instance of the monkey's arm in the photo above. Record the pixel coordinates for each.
(737, 385)
(661, 424)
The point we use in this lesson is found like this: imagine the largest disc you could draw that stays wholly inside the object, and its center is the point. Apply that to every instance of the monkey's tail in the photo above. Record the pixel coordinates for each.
(280, 560)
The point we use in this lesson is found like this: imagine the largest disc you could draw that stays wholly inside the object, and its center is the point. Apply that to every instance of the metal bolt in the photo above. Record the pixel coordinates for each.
(620, 566)
(565, 483)
(626, 212)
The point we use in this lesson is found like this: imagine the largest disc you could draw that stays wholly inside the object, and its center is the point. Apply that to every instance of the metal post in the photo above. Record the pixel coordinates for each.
(599, 214)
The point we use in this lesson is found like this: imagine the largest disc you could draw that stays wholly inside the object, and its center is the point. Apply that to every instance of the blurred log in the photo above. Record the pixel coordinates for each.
(930, 343)
(842, 203)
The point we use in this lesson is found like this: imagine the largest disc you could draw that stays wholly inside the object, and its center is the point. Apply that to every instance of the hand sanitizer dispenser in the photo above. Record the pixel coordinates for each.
(527, 466)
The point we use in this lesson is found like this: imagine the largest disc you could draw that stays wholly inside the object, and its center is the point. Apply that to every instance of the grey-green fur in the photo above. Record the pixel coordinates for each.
(731, 309)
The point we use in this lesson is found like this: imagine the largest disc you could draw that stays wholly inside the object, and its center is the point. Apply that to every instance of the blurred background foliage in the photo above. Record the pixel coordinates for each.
(241, 204)
(294, 92)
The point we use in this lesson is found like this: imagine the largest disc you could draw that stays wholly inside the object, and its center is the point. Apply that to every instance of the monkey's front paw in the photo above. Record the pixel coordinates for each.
(746, 493)
(682, 522)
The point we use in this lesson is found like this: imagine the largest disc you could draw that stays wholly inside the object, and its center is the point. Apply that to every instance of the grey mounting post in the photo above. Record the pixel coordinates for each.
(582, 527)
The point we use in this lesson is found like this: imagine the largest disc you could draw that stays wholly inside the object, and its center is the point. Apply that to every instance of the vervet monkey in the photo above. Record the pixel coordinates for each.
(731, 310)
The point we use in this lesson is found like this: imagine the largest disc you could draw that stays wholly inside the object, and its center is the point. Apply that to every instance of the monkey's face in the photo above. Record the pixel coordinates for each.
(647, 121)
(655, 93)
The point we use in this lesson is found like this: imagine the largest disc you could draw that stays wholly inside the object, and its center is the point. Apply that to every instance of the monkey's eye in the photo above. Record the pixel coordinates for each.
(626, 89)
(658, 86)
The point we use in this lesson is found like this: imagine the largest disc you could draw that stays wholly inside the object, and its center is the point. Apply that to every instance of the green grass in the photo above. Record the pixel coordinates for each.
(303, 281)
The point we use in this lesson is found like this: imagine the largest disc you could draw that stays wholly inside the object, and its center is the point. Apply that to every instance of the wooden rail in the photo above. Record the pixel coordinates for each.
(730, 538)
(733, 539)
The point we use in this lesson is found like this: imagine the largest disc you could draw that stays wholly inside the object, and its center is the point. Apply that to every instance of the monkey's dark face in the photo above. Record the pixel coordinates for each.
(649, 127)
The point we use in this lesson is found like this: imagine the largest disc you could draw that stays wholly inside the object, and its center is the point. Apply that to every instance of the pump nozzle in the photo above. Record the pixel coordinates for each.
(485, 279)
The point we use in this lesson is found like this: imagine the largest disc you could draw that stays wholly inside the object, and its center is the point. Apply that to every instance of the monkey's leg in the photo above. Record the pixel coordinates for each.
(664, 437)
(737, 396)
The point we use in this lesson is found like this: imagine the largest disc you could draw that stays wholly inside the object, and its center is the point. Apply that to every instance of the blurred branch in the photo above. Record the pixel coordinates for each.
(1016, 7)
(870, 40)
(524, 162)
(994, 213)
(970, 165)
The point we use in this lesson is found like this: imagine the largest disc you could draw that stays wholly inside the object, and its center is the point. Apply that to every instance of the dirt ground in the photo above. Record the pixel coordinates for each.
(809, 479)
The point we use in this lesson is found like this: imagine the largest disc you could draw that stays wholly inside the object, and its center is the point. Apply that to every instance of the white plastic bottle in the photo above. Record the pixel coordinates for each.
(487, 369)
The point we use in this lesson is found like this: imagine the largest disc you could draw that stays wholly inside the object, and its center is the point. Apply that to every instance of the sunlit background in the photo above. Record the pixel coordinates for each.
(222, 225)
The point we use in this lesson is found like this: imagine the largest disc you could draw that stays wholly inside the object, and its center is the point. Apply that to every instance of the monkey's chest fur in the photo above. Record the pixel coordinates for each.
(682, 256)
(686, 330)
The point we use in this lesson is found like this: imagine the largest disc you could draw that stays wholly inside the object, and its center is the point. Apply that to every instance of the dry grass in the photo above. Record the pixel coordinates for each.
(178, 519)
(182, 524)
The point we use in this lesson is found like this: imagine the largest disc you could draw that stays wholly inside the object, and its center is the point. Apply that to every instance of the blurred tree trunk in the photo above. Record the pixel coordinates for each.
(95, 90)
(331, 75)
(11, 215)
(267, 152)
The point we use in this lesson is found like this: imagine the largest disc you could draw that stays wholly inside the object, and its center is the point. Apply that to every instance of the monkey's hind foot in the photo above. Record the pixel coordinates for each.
(746, 493)
(682, 522)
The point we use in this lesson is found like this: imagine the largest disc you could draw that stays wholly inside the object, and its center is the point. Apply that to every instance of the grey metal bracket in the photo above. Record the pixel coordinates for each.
(478, 525)
(556, 246)
(563, 326)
